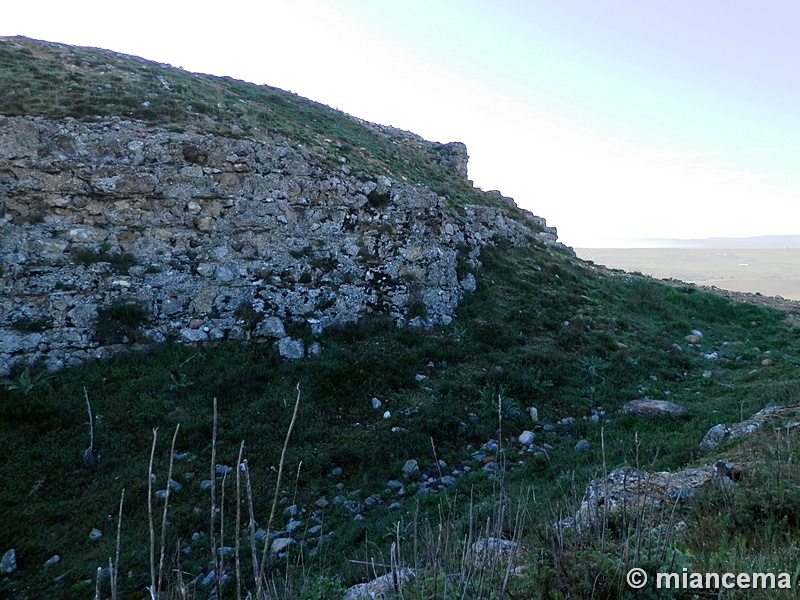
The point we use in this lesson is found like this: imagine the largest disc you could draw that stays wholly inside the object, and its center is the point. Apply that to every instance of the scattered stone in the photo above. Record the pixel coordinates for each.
(469, 283)
(280, 544)
(372, 500)
(491, 447)
(8, 564)
(52, 560)
(387, 415)
(336, 471)
(581, 446)
(534, 413)
(411, 468)
(376, 403)
(526, 438)
(353, 506)
(95, 534)
(647, 407)
(209, 579)
(292, 525)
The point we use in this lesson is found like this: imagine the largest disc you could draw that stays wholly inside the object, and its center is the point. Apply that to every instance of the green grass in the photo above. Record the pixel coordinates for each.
(511, 339)
(58, 81)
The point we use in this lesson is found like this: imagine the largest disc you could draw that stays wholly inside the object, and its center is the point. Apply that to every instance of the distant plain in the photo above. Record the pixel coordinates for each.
(769, 271)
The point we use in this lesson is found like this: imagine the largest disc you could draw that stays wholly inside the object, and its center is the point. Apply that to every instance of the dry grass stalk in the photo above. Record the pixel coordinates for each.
(152, 588)
(214, 557)
(166, 506)
(238, 522)
(251, 523)
(89, 458)
(260, 579)
(115, 565)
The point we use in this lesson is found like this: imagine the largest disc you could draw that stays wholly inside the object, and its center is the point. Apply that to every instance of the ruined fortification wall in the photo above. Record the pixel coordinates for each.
(114, 233)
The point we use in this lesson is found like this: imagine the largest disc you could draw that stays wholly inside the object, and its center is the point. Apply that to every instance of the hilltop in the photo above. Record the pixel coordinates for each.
(254, 345)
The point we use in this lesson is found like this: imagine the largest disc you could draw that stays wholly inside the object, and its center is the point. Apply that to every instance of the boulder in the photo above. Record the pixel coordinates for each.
(411, 468)
(647, 407)
(785, 416)
(639, 492)
(380, 587)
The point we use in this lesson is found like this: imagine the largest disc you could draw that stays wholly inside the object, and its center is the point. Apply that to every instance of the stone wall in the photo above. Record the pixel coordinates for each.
(115, 233)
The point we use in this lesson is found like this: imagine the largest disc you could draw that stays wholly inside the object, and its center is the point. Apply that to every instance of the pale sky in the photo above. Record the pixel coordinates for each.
(616, 121)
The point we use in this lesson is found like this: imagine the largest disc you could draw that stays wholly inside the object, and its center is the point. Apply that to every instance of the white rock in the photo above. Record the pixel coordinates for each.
(411, 468)
(52, 560)
(280, 544)
(8, 564)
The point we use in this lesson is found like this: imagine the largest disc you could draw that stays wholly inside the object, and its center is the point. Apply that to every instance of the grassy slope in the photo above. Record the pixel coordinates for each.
(510, 340)
(59, 81)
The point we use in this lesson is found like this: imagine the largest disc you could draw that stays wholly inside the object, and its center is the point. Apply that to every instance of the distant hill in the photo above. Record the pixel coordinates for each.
(759, 241)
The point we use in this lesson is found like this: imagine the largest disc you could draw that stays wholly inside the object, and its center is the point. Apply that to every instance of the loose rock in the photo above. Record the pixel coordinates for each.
(8, 564)
(411, 468)
(647, 407)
